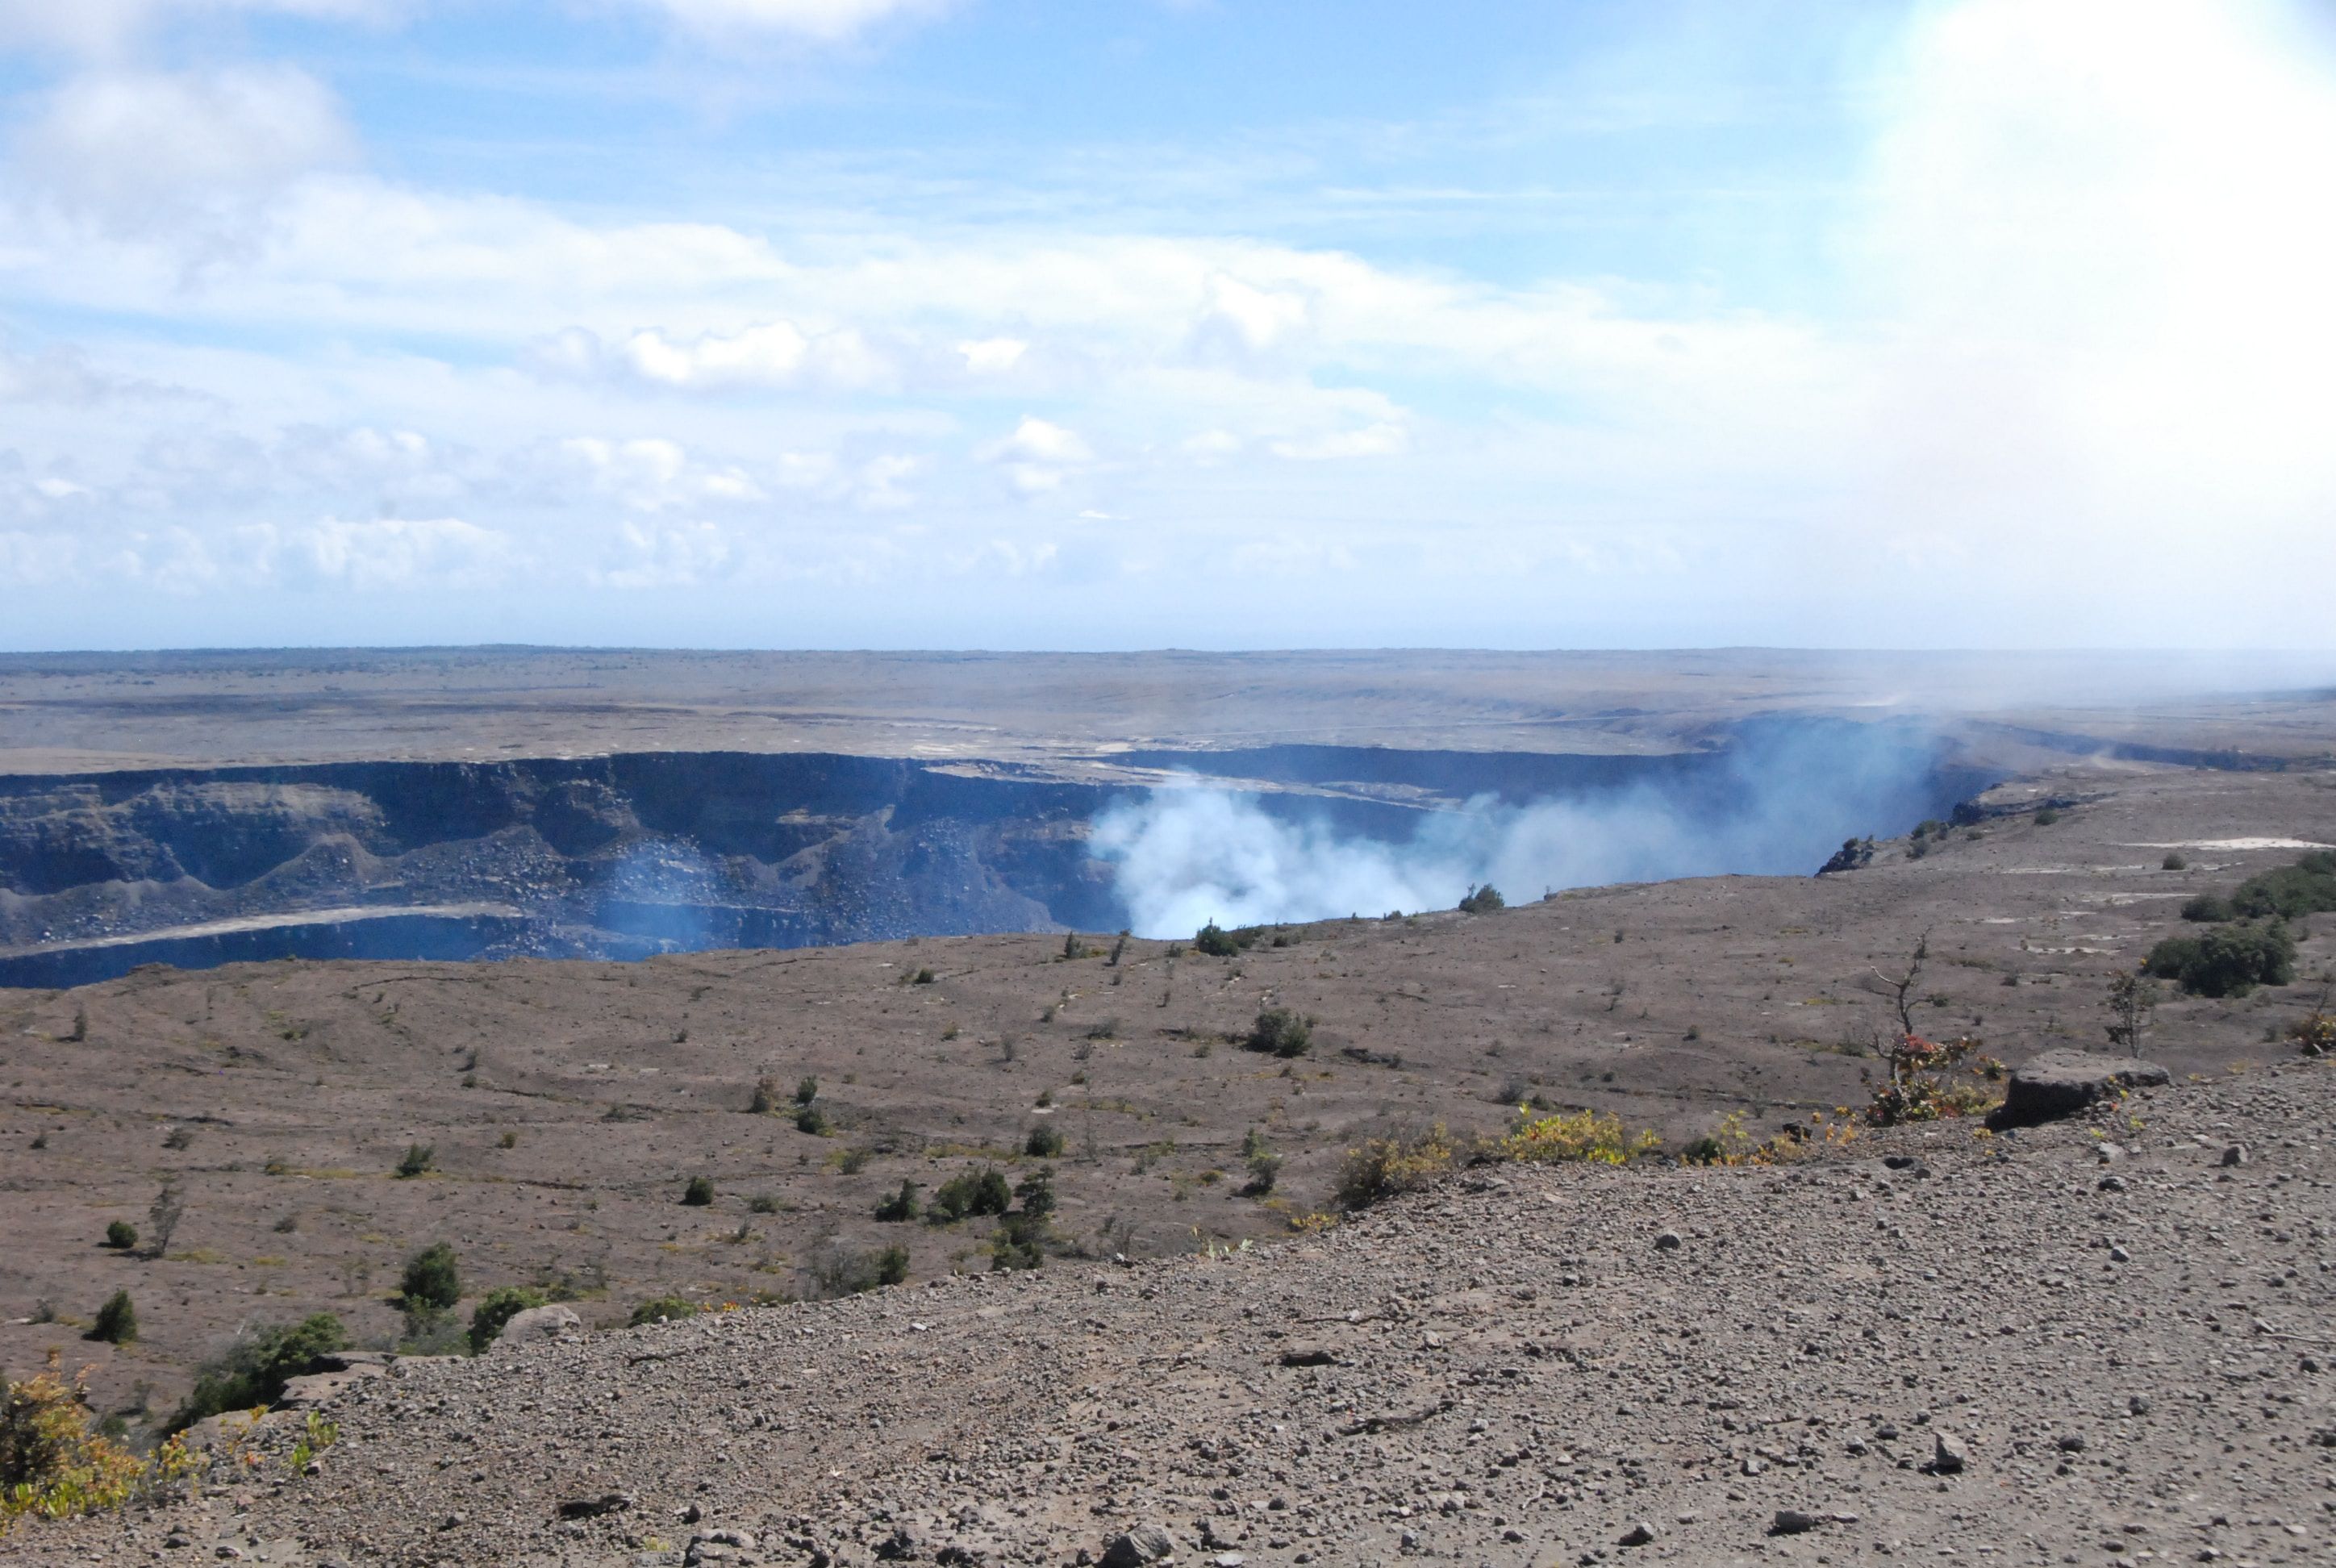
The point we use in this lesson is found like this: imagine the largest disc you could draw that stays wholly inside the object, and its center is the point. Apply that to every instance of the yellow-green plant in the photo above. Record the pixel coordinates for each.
(1381, 1167)
(317, 1436)
(1577, 1135)
(1730, 1145)
(53, 1466)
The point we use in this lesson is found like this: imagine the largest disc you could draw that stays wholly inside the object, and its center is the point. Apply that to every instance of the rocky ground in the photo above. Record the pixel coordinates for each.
(567, 1104)
(2102, 1340)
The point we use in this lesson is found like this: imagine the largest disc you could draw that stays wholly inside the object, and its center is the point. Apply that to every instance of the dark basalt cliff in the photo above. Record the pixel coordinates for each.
(627, 855)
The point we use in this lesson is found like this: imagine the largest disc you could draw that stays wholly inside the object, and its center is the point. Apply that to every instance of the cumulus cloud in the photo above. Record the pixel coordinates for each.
(107, 26)
(659, 554)
(828, 21)
(772, 355)
(385, 553)
(1381, 440)
(652, 474)
(1039, 455)
(992, 356)
(192, 158)
(63, 374)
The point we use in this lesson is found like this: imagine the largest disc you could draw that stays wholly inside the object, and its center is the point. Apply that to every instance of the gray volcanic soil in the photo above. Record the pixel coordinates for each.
(2014, 1348)
(295, 1086)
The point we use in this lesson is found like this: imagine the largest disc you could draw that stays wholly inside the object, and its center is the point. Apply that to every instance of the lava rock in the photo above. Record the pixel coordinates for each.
(1144, 1544)
(2060, 1084)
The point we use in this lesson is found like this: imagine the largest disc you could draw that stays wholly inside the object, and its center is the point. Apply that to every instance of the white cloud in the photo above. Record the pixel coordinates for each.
(2092, 228)
(190, 159)
(1372, 440)
(107, 26)
(61, 374)
(1212, 446)
(992, 356)
(769, 356)
(1039, 455)
(1240, 321)
(828, 21)
(666, 555)
(652, 474)
(388, 553)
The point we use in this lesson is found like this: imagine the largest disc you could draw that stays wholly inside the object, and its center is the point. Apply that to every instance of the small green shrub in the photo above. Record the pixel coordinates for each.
(806, 1090)
(417, 1159)
(117, 1320)
(2208, 909)
(1036, 1193)
(2046, 816)
(432, 1278)
(660, 1309)
(2229, 961)
(923, 977)
(849, 1274)
(899, 1208)
(497, 1307)
(2173, 863)
(2306, 888)
(968, 1194)
(764, 1203)
(765, 1098)
(1264, 1165)
(811, 1119)
(1218, 942)
(255, 1369)
(1483, 901)
(699, 1194)
(122, 1236)
(1281, 1032)
(1044, 1143)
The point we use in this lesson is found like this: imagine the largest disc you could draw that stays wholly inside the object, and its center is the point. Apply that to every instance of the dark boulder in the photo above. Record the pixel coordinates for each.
(2062, 1083)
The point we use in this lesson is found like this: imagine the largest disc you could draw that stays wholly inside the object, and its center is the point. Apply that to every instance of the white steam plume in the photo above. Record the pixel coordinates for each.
(1186, 855)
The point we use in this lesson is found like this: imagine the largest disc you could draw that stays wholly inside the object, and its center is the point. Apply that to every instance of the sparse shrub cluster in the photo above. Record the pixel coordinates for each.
(1044, 1143)
(1263, 1165)
(1380, 1168)
(1599, 1139)
(1929, 1080)
(659, 1309)
(54, 1464)
(1483, 901)
(417, 1159)
(1280, 1032)
(2286, 893)
(253, 1371)
(970, 1194)
(2229, 961)
(1021, 1238)
(1217, 942)
(851, 1274)
(899, 1208)
(1732, 1145)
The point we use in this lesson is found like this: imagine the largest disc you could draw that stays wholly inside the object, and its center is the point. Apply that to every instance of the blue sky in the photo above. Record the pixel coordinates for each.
(1132, 323)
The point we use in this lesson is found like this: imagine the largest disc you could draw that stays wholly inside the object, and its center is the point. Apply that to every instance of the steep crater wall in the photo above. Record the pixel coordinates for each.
(624, 856)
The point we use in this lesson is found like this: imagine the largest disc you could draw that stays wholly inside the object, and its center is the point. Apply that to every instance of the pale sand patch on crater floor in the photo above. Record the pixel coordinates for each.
(2257, 843)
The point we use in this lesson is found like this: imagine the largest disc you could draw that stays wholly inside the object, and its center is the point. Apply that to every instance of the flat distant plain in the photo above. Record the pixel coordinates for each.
(69, 713)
